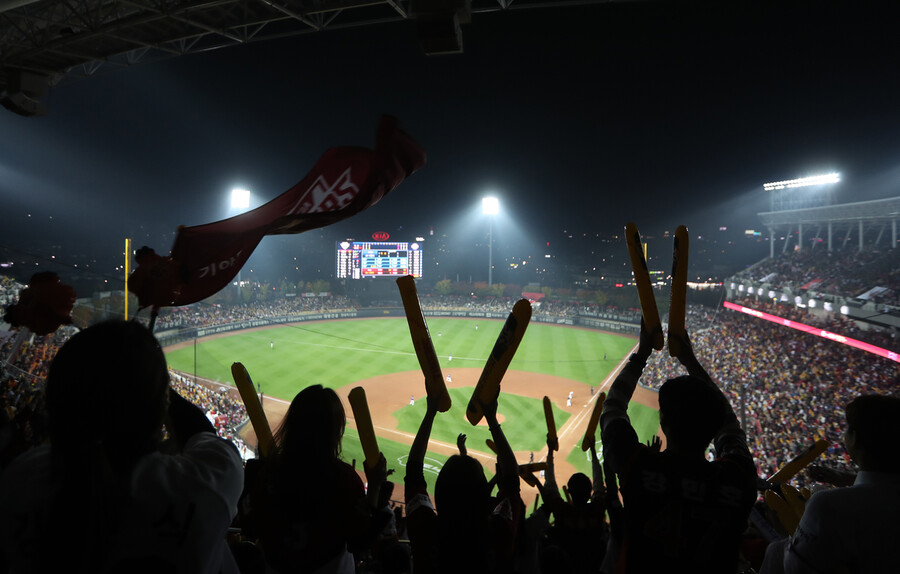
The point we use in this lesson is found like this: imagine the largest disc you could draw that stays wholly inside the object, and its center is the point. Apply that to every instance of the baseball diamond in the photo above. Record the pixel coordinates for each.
(377, 354)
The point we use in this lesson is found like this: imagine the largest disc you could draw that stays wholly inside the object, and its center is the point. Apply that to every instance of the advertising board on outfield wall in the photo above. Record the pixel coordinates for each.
(173, 336)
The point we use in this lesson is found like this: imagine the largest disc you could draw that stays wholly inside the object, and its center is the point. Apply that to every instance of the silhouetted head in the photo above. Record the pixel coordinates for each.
(580, 487)
(313, 426)
(689, 413)
(108, 387)
(873, 422)
(461, 489)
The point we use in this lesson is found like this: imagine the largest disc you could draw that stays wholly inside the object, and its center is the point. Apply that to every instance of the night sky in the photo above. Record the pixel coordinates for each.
(578, 118)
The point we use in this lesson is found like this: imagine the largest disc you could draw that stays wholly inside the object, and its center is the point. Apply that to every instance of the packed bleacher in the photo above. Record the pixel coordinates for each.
(207, 315)
(788, 382)
(846, 272)
(785, 388)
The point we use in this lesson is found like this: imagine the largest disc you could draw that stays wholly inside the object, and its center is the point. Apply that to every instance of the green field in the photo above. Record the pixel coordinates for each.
(284, 360)
(520, 414)
(338, 353)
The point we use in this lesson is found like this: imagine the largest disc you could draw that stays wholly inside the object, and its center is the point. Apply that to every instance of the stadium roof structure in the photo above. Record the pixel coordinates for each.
(874, 211)
(43, 42)
(860, 217)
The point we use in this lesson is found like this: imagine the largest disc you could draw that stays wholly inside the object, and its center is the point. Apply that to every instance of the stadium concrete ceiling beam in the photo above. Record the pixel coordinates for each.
(48, 41)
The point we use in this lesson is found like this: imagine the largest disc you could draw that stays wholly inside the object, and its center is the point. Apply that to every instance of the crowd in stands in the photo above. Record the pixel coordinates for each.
(831, 322)
(847, 272)
(553, 308)
(225, 413)
(206, 315)
(788, 384)
(785, 388)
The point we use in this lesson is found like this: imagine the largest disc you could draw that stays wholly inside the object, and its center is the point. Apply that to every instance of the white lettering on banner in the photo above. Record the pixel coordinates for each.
(833, 337)
(223, 265)
(324, 196)
(753, 312)
(893, 356)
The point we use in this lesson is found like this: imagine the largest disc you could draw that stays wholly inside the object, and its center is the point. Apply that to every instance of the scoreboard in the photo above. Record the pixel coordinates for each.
(362, 259)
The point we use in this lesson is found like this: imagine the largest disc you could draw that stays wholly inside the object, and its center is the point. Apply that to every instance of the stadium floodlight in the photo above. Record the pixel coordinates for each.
(490, 206)
(240, 198)
(803, 181)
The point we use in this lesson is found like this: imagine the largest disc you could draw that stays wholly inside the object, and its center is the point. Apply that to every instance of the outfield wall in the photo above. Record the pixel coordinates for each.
(173, 336)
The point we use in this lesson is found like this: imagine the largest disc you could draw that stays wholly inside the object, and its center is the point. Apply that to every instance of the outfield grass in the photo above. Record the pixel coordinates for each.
(519, 427)
(338, 353)
(395, 454)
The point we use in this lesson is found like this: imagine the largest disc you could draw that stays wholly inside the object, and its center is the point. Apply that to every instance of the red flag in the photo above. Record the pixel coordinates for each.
(345, 181)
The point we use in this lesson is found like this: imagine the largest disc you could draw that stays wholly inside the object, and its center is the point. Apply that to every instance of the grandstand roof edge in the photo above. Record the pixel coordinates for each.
(870, 210)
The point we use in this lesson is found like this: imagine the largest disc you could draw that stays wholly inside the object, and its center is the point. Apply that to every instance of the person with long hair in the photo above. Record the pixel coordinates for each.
(101, 497)
(308, 509)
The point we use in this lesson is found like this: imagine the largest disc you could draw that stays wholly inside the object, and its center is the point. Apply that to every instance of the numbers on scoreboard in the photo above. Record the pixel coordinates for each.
(371, 259)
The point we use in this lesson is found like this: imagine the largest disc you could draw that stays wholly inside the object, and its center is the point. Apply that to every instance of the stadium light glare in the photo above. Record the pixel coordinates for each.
(823, 179)
(240, 198)
(490, 206)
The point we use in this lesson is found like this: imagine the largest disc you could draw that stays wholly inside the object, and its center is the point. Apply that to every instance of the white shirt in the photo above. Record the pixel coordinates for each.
(183, 507)
(851, 529)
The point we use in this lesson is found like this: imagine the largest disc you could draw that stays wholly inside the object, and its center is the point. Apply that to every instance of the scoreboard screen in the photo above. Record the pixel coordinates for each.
(362, 259)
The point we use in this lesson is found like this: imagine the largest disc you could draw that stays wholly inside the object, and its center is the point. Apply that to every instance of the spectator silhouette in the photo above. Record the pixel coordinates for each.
(101, 497)
(577, 540)
(465, 530)
(309, 509)
(853, 529)
(681, 511)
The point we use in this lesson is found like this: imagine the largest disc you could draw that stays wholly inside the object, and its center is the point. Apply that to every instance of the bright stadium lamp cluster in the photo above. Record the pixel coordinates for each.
(490, 205)
(240, 198)
(803, 181)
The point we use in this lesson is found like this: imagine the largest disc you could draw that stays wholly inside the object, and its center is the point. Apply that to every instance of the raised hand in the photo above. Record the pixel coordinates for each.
(461, 444)
(645, 344)
(379, 473)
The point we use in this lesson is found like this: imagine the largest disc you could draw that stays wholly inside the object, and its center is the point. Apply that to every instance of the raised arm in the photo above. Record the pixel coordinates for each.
(598, 491)
(730, 438)
(416, 460)
(507, 465)
(551, 488)
(616, 404)
(689, 360)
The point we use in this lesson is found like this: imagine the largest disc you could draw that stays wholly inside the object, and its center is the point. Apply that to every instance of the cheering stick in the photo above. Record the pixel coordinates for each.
(422, 343)
(788, 508)
(591, 430)
(799, 462)
(532, 467)
(488, 387)
(528, 477)
(360, 407)
(678, 293)
(642, 280)
(552, 441)
(490, 444)
(254, 408)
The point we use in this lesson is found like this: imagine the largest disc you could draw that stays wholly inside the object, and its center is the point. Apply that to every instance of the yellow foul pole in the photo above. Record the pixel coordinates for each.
(127, 271)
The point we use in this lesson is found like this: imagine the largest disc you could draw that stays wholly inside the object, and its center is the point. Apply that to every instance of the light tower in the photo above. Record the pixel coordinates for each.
(490, 206)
